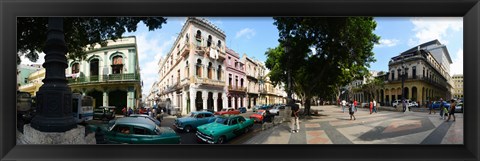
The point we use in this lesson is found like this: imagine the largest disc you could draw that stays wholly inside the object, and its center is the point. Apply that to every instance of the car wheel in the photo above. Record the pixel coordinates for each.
(188, 128)
(221, 140)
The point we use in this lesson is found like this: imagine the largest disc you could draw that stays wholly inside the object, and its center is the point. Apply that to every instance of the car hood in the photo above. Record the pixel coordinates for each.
(212, 128)
(256, 115)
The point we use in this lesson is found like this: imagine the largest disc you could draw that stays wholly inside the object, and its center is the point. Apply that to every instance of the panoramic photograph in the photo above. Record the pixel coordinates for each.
(240, 80)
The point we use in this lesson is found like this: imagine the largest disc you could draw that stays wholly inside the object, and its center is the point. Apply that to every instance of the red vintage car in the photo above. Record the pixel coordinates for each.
(258, 116)
(227, 111)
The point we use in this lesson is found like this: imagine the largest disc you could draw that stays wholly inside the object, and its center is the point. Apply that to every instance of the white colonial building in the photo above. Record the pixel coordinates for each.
(192, 75)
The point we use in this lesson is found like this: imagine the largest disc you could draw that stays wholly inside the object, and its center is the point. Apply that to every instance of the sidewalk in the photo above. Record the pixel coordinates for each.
(388, 126)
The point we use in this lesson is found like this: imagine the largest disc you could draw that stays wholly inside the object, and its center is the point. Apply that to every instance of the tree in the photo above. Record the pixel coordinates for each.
(79, 32)
(371, 86)
(324, 53)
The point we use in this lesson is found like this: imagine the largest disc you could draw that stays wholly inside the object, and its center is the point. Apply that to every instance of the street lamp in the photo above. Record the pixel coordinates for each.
(404, 73)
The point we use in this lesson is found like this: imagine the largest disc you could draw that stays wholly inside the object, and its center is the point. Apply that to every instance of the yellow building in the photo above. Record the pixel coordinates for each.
(34, 82)
(457, 85)
(426, 69)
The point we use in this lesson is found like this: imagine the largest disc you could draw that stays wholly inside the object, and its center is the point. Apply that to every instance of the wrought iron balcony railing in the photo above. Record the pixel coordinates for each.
(105, 78)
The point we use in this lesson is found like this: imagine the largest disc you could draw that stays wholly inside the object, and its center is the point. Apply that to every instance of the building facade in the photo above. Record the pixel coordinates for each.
(253, 74)
(110, 74)
(192, 75)
(32, 82)
(236, 80)
(426, 72)
(457, 86)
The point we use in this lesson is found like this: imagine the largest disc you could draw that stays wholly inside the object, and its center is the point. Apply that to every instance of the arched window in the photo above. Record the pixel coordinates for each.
(209, 41)
(75, 68)
(210, 70)
(199, 68)
(219, 44)
(187, 38)
(219, 72)
(117, 65)
(94, 67)
(198, 36)
(241, 82)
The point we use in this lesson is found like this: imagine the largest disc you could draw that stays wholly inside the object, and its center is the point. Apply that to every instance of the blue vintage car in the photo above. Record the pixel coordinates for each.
(195, 119)
(436, 104)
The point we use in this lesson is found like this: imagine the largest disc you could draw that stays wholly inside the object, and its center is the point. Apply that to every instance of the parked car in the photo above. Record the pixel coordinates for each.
(223, 128)
(276, 109)
(436, 104)
(459, 108)
(242, 109)
(208, 110)
(256, 108)
(413, 104)
(229, 111)
(399, 103)
(156, 121)
(258, 116)
(104, 113)
(195, 119)
(134, 130)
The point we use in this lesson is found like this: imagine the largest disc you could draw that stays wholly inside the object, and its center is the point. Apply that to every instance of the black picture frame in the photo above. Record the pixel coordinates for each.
(469, 9)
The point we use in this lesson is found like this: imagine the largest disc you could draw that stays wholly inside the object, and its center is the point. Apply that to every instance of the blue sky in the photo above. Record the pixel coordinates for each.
(254, 35)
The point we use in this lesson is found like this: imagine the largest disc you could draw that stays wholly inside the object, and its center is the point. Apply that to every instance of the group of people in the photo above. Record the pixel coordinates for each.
(352, 107)
(444, 111)
(127, 112)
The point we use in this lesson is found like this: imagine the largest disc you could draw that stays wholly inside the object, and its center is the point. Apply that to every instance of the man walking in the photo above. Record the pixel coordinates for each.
(404, 105)
(452, 110)
(294, 117)
(374, 106)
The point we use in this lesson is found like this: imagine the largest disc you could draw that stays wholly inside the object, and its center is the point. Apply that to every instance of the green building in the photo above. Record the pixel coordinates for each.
(110, 74)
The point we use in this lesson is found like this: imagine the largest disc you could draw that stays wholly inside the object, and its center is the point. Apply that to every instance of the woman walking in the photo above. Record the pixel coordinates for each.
(452, 110)
(351, 110)
(371, 106)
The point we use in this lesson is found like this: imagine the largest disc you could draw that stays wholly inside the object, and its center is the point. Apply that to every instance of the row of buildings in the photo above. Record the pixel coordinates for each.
(201, 72)
(425, 70)
(110, 74)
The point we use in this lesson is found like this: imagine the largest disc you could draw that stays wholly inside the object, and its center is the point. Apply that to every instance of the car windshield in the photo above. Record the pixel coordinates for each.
(222, 121)
(260, 113)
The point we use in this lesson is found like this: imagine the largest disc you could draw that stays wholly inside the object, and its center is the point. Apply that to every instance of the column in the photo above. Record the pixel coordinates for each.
(131, 58)
(224, 100)
(193, 93)
(174, 99)
(184, 102)
(105, 97)
(215, 99)
(205, 99)
(130, 97)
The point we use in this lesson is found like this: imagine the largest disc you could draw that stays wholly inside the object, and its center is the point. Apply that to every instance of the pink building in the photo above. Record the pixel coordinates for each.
(236, 80)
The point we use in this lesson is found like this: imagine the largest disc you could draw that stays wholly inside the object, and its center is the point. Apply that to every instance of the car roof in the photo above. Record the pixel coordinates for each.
(197, 112)
(136, 122)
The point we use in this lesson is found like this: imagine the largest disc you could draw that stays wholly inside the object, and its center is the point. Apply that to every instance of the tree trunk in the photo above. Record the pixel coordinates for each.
(307, 106)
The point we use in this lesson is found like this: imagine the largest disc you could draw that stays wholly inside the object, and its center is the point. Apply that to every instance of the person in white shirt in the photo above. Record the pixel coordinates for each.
(344, 103)
(375, 106)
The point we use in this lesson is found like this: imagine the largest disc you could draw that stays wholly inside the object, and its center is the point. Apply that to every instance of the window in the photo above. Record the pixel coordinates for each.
(117, 65)
(219, 44)
(124, 129)
(199, 115)
(234, 122)
(75, 68)
(219, 72)
(94, 67)
(209, 41)
(198, 36)
(186, 38)
(414, 72)
(393, 75)
(140, 131)
(199, 68)
(210, 70)
(208, 115)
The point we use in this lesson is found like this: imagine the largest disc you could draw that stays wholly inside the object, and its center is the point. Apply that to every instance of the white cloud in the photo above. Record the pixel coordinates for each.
(457, 66)
(40, 60)
(150, 52)
(431, 28)
(387, 43)
(247, 32)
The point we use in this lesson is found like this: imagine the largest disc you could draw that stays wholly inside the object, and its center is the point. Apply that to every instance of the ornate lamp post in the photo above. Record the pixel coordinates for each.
(404, 73)
(54, 99)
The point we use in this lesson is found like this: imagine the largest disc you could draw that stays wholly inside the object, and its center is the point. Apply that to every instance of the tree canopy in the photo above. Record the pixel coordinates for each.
(79, 32)
(322, 53)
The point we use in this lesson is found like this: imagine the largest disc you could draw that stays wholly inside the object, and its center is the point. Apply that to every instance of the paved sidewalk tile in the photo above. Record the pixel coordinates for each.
(318, 137)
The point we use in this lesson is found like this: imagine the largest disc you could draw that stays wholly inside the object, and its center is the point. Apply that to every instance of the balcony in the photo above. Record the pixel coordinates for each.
(105, 78)
(239, 89)
(262, 91)
(206, 81)
(424, 79)
(185, 49)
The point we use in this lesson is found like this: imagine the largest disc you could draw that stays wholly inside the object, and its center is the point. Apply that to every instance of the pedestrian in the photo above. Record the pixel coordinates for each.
(344, 103)
(374, 106)
(430, 106)
(124, 111)
(404, 105)
(355, 103)
(371, 106)
(452, 110)
(130, 111)
(442, 111)
(351, 111)
(294, 117)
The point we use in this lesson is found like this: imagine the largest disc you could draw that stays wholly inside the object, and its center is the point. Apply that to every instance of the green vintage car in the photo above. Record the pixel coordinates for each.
(132, 130)
(223, 128)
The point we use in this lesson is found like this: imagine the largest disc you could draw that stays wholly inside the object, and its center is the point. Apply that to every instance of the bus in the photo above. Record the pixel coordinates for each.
(82, 107)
